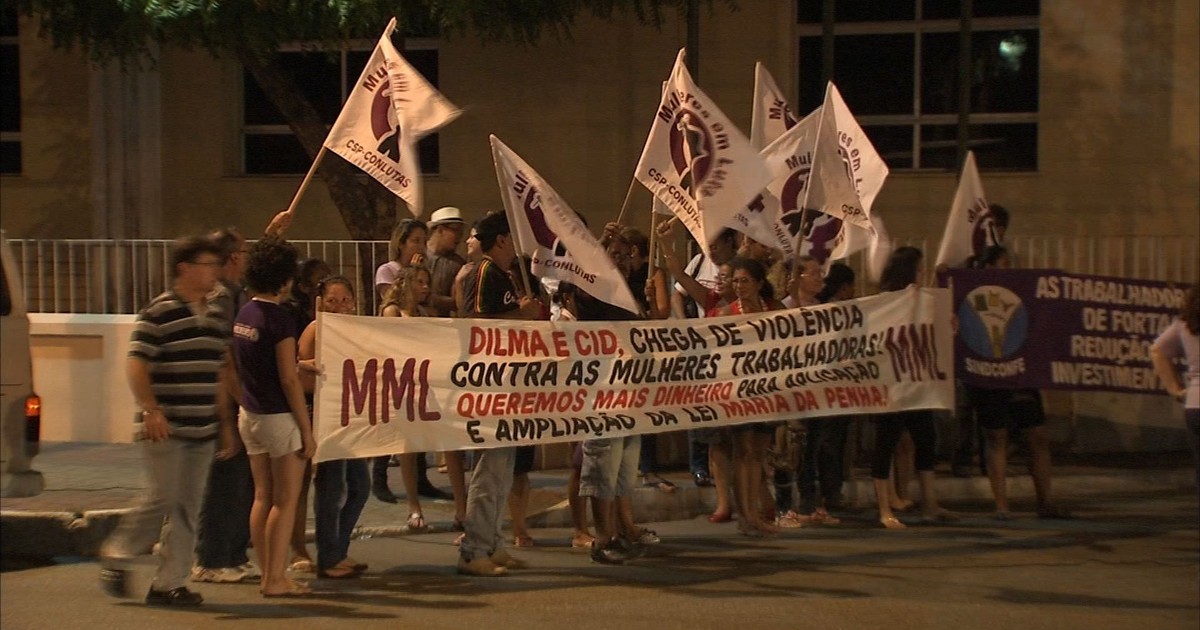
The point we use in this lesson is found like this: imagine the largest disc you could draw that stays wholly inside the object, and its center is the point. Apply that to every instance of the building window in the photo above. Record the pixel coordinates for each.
(896, 64)
(10, 96)
(268, 145)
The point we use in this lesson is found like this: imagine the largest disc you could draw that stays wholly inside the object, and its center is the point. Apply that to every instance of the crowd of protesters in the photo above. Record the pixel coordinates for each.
(222, 366)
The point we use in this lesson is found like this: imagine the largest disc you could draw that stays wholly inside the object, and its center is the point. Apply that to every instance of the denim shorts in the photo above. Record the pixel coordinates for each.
(610, 467)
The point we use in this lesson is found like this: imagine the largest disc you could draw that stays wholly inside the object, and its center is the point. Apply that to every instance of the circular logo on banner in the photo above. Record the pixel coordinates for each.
(993, 322)
(691, 149)
(384, 124)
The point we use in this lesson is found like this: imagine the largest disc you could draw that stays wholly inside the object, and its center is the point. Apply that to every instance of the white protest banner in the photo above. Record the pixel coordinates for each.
(697, 161)
(389, 109)
(969, 228)
(552, 235)
(394, 385)
(771, 115)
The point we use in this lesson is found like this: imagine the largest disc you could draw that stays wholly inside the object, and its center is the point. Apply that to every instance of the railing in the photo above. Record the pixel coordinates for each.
(110, 276)
(106, 276)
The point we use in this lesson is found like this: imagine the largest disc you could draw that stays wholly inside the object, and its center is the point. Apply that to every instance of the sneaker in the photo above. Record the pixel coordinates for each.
(648, 537)
(223, 575)
(175, 597)
(608, 554)
(480, 567)
(115, 582)
(502, 559)
(630, 548)
(250, 571)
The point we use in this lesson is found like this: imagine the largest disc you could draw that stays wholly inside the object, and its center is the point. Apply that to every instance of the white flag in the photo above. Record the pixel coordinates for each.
(697, 161)
(552, 234)
(389, 109)
(862, 161)
(771, 115)
(831, 186)
(969, 228)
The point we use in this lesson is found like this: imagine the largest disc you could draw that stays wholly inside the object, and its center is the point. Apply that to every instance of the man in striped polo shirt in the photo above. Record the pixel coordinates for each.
(178, 362)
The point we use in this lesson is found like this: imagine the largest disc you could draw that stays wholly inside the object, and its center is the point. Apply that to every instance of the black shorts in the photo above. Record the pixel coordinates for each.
(523, 462)
(1012, 409)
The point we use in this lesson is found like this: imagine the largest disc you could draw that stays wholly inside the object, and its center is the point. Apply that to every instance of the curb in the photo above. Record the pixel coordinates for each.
(47, 534)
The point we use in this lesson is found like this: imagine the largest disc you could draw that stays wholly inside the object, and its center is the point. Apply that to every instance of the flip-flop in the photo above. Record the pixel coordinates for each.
(892, 522)
(297, 591)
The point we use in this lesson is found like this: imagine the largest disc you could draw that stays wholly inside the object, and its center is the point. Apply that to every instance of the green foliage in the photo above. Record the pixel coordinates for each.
(129, 29)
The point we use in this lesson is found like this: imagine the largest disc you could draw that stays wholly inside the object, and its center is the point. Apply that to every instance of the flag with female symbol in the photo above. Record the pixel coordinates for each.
(390, 108)
(556, 240)
(697, 161)
(969, 226)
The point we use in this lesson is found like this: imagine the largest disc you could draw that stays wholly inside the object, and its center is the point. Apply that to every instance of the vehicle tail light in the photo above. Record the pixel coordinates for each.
(33, 424)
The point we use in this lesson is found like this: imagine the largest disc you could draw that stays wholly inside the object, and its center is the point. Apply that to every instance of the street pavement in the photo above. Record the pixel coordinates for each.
(88, 486)
(1128, 561)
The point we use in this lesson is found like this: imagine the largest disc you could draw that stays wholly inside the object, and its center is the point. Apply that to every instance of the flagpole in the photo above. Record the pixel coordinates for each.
(625, 204)
(307, 178)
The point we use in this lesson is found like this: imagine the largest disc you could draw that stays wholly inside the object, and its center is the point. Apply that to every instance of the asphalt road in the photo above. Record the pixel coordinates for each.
(1127, 562)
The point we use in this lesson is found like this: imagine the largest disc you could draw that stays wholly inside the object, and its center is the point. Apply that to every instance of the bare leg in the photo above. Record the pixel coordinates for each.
(408, 470)
(883, 493)
(997, 467)
(765, 505)
(286, 473)
(720, 469)
(456, 471)
(742, 444)
(299, 544)
(260, 470)
(1039, 466)
(929, 502)
(604, 515)
(581, 536)
(518, 506)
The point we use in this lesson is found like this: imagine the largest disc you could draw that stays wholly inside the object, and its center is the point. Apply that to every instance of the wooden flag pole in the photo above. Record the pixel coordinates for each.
(625, 204)
(307, 178)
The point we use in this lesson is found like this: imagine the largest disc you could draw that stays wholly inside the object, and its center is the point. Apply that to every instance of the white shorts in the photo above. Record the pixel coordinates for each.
(272, 433)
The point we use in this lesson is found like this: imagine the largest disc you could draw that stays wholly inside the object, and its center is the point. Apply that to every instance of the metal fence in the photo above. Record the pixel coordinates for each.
(120, 276)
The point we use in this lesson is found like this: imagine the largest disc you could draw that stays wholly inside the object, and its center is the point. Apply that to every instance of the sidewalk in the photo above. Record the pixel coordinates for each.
(89, 485)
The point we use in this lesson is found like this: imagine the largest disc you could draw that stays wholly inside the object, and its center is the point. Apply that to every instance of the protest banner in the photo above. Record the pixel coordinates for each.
(1048, 329)
(697, 161)
(393, 385)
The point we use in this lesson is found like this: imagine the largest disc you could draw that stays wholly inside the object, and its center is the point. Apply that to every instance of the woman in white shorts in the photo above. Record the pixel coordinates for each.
(275, 426)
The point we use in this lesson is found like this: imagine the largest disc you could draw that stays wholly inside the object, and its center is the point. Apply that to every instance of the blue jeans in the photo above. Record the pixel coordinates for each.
(821, 466)
(341, 487)
(697, 455)
(224, 529)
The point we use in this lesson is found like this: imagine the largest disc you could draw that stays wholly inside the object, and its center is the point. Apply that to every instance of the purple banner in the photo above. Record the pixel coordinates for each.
(1052, 330)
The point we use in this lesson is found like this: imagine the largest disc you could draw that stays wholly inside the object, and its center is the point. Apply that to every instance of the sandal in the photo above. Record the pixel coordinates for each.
(338, 572)
(296, 590)
(891, 522)
(582, 541)
(720, 517)
(524, 540)
(790, 520)
(458, 541)
(416, 523)
(656, 481)
(821, 517)
(353, 564)
(301, 565)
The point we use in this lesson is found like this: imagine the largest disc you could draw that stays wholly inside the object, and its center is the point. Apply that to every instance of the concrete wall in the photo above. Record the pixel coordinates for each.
(1119, 147)
(79, 371)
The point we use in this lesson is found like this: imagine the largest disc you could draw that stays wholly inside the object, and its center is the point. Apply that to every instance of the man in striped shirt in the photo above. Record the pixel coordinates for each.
(178, 361)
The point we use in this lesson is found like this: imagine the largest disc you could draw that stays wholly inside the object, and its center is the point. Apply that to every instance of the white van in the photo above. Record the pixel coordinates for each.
(20, 408)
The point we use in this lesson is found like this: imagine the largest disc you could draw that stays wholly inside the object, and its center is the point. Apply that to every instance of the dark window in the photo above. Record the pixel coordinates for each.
(10, 95)
(910, 110)
(326, 79)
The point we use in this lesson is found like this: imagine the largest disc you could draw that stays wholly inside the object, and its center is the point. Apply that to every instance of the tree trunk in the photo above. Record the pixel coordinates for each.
(367, 208)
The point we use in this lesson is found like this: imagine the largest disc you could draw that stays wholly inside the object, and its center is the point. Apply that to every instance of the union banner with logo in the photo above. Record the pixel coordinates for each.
(395, 385)
(1048, 329)
(389, 109)
(552, 235)
(697, 161)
